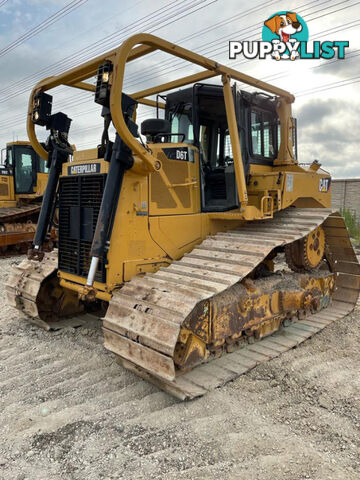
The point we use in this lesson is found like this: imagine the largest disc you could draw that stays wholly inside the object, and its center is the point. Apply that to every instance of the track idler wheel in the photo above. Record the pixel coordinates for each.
(54, 302)
(306, 253)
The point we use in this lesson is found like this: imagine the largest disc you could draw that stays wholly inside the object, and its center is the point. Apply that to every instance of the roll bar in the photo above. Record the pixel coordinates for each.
(140, 45)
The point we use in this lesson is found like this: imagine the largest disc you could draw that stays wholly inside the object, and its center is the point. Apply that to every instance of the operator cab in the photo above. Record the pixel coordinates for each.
(25, 164)
(197, 116)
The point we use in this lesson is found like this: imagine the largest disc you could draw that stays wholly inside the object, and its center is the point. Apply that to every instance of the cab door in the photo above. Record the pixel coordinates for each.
(174, 198)
(6, 179)
(25, 174)
(174, 190)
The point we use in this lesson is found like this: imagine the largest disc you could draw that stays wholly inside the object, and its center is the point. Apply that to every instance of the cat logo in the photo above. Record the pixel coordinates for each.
(324, 184)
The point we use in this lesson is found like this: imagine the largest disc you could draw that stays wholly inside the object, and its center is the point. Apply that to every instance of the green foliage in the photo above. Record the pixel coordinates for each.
(352, 225)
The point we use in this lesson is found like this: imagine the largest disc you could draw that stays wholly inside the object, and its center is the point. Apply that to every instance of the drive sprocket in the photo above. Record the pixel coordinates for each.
(306, 253)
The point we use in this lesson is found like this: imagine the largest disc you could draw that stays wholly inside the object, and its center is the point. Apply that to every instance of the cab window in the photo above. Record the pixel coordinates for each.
(263, 134)
(227, 146)
(8, 159)
(181, 124)
(224, 150)
(42, 166)
(23, 171)
(269, 140)
(205, 142)
(256, 138)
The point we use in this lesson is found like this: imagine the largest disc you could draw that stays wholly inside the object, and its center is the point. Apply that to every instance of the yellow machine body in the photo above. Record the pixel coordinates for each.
(157, 222)
(9, 195)
(23, 180)
(159, 215)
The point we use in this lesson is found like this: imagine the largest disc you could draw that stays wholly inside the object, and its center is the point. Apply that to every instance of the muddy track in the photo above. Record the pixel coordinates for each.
(145, 318)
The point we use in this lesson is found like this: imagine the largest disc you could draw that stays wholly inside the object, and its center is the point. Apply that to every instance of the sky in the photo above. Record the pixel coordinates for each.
(41, 38)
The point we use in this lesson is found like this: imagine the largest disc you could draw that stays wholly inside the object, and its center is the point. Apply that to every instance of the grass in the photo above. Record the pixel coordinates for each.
(352, 225)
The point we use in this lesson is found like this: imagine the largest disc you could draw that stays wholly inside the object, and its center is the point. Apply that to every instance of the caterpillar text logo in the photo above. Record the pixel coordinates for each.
(85, 169)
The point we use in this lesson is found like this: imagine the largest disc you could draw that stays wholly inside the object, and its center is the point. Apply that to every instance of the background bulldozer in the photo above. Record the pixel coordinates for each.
(23, 178)
(207, 238)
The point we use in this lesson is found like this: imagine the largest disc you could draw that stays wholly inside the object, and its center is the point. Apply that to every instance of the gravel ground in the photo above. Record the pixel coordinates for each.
(69, 411)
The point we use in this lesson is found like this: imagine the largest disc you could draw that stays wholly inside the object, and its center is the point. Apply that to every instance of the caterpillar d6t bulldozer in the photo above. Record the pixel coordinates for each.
(23, 178)
(207, 237)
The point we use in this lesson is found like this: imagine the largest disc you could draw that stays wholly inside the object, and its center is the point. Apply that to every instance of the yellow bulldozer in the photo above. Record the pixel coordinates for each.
(23, 178)
(201, 241)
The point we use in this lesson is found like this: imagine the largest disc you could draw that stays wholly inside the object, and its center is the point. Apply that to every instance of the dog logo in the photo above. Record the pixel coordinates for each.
(284, 25)
(287, 28)
(285, 36)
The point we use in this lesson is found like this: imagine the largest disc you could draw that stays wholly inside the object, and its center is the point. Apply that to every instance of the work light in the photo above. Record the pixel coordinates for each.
(105, 77)
(102, 89)
(42, 105)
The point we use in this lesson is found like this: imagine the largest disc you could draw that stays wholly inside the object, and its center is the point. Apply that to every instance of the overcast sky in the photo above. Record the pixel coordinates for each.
(328, 118)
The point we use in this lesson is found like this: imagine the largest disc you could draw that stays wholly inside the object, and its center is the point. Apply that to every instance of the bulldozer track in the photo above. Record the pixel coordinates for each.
(15, 213)
(143, 320)
(18, 225)
(24, 284)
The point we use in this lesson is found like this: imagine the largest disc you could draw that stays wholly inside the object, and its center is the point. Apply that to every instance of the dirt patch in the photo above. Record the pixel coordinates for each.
(69, 411)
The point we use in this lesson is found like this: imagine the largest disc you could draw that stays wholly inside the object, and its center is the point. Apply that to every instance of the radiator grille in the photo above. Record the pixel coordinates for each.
(79, 205)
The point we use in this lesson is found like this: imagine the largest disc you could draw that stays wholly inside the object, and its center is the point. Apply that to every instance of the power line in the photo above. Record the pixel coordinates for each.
(185, 9)
(171, 62)
(215, 26)
(170, 10)
(264, 4)
(200, 48)
(222, 23)
(62, 62)
(204, 48)
(81, 94)
(84, 32)
(329, 86)
(3, 3)
(241, 62)
(193, 35)
(63, 12)
(83, 101)
(102, 45)
(339, 10)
